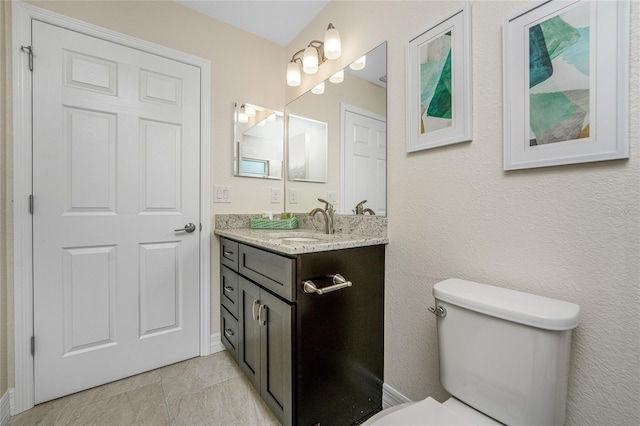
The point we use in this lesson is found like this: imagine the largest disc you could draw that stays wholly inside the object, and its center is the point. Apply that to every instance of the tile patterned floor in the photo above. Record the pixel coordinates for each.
(201, 391)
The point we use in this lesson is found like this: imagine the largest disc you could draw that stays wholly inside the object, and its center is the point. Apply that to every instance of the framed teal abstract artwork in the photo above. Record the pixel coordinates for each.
(566, 78)
(439, 84)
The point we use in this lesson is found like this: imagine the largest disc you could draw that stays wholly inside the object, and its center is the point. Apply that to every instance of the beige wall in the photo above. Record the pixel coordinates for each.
(569, 232)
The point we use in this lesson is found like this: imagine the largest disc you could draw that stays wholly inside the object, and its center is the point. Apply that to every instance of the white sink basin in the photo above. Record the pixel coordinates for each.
(301, 237)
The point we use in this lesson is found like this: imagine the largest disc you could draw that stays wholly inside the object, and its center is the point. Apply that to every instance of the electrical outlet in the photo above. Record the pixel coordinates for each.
(293, 196)
(275, 195)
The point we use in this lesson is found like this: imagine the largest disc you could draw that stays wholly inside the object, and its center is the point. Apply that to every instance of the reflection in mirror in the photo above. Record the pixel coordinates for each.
(257, 144)
(354, 109)
(307, 149)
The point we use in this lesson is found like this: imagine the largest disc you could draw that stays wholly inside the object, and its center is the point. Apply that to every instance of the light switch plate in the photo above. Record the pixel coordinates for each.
(221, 194)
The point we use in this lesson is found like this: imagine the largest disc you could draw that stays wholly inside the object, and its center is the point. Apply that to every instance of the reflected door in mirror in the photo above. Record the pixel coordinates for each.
(364, 158)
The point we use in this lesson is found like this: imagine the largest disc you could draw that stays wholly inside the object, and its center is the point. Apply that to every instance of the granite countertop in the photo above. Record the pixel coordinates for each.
(299, 241)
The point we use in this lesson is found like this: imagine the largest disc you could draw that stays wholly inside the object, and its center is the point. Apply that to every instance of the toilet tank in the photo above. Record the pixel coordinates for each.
(504, 352)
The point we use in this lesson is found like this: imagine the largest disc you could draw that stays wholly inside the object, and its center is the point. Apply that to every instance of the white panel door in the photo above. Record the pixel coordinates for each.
(365, 163)
(115, 172)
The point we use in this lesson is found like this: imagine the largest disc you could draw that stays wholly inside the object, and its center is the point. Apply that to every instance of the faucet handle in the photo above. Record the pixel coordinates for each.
(361, 204)
(326, 203)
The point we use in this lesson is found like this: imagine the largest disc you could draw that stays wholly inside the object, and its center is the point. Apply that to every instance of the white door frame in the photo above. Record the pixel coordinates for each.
(22, 15)
(344, 108)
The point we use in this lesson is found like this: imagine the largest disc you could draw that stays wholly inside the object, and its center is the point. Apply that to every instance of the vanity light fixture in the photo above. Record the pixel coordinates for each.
(310, 61)
(311, 57)
(332, 43)
(359, 63)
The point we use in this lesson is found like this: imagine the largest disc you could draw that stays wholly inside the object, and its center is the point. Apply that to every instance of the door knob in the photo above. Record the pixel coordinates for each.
(189, 227)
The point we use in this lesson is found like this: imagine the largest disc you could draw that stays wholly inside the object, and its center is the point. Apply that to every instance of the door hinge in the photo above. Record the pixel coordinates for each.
(33, 345)
(31, 203)
(29, 51)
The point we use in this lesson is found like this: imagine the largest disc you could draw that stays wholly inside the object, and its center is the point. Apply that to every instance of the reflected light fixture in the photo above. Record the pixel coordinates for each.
(250, 110)
(242, 114)
(319, 89)
(337, 77)
(359, 63)
(314, 55)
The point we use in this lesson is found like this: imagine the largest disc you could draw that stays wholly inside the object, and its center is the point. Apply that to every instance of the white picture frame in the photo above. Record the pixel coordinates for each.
(566, 106)
(438, 89)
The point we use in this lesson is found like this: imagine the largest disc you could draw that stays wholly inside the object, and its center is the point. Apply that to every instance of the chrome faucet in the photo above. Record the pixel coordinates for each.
(327, 212)
(361, 210)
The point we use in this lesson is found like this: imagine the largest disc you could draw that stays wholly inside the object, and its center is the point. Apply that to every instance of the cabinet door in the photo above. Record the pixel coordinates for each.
(249, 342)
(276, 319)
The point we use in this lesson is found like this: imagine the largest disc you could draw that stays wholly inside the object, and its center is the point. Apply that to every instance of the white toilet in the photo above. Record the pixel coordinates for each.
(504, 358)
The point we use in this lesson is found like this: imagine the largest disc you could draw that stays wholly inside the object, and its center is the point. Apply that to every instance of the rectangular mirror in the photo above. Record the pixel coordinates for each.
(353, 113)
(307, 148)
(257, 143)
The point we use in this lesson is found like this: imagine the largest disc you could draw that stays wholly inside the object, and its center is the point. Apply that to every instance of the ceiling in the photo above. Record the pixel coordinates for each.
(279, 21)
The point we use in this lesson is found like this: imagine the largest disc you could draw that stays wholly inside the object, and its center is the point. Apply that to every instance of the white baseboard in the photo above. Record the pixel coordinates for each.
(216, 343)
(391, 397)
(5, 407)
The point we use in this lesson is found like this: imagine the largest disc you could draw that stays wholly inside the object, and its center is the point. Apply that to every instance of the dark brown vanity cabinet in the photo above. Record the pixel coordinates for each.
(315, 356)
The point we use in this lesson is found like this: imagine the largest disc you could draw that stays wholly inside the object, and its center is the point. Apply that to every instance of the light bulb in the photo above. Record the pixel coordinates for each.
(293, 74)
(337, 77)
(332, 44)
(310, 60)
(242, 115)
(319, 89)
(359, 63)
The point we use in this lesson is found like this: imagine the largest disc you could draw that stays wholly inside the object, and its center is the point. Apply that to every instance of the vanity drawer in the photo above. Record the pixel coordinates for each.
(229, 290)
(229, 332)
(272, 271)
(229, 253)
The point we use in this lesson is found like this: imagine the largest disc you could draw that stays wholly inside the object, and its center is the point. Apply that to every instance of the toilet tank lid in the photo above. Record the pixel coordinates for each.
(536, 311)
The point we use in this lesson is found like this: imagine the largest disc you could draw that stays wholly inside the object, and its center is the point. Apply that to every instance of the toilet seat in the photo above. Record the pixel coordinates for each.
(430, 412)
